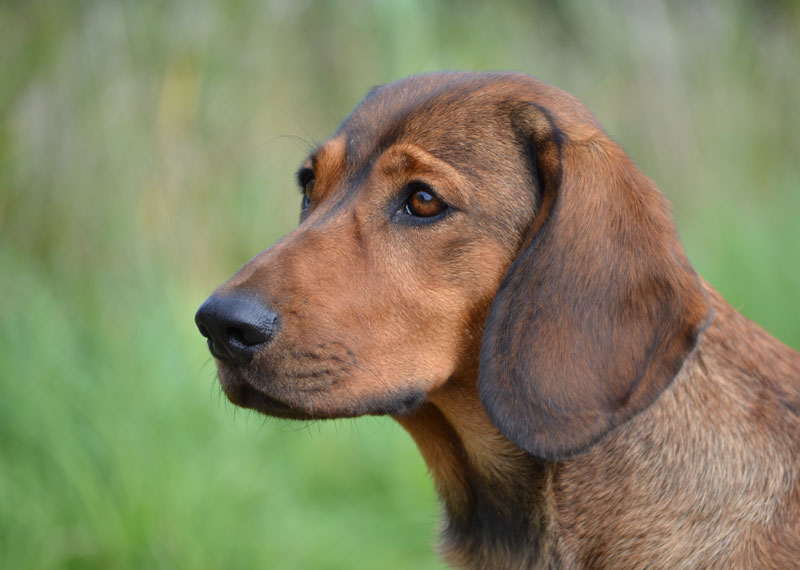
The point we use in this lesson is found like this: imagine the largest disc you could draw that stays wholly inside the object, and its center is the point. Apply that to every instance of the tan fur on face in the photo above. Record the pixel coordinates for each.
(328, 164)
(410, 303)
(546, 342)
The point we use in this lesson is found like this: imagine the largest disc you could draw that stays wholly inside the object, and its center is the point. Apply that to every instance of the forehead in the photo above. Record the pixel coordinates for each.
(475, 122)
(450, 115)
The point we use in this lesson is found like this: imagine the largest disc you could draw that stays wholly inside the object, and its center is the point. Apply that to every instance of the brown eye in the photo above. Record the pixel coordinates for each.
(423, 203)
(305, 178)
(308, 186)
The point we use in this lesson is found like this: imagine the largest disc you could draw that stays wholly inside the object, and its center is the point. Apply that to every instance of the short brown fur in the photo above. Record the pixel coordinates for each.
(582, 398)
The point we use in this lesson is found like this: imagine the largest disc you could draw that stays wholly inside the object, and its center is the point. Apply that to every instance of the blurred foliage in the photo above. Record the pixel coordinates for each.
(147, 150)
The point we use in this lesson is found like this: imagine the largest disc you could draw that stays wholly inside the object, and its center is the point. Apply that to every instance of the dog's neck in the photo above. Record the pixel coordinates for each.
(505, 509)
(494, 494)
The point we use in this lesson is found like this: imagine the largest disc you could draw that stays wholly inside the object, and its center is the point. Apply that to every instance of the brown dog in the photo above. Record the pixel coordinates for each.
(477, 258)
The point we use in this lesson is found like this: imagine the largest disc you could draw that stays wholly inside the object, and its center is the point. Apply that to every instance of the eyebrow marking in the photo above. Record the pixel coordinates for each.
(409, 162)
(325, 164)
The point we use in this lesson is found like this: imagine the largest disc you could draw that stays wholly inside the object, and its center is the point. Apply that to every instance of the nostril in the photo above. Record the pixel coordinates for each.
(236, 336)
(236, 326)
(250, 335)
(246, 338)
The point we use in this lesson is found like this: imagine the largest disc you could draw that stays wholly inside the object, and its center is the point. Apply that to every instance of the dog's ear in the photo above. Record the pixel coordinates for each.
(600, 308)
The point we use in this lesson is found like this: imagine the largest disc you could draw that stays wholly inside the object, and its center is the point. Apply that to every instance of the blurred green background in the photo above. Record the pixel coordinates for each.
(147, 150)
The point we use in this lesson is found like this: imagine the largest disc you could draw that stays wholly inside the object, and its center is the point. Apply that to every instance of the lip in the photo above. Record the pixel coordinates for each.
(215, 353)
(243, 394)
(268, 405)
(310, 404)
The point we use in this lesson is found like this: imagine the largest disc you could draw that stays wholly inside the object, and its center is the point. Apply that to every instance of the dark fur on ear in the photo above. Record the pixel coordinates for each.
(600, 308)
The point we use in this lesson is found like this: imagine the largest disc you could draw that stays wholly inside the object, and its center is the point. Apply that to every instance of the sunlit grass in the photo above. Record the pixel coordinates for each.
(119, 451)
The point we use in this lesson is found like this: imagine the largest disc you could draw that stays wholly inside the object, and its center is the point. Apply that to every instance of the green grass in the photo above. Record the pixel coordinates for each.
(119, 451)
(147, 150)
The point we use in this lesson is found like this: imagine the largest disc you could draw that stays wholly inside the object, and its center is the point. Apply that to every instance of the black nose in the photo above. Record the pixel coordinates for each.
(236, 326)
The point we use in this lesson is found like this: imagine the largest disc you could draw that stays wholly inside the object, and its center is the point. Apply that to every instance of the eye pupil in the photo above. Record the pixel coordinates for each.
(424, 204)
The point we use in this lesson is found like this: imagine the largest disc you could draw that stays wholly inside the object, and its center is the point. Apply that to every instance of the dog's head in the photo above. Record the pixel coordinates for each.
(464, 224)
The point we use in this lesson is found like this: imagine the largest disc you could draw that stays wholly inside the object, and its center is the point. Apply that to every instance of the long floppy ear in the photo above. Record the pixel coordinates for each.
(600, 308)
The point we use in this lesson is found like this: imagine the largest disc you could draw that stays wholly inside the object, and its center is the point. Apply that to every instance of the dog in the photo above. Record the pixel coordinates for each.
(478, 259)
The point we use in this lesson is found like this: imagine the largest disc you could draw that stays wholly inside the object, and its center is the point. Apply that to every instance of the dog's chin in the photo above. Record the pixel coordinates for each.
(246, 396)
(242, 393)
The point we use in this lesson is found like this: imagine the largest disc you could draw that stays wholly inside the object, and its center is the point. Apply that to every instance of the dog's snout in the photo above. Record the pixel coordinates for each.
(236, 326)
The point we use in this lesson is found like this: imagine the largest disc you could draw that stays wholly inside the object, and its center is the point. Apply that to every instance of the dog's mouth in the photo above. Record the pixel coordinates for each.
(240, 392)
(316, 404)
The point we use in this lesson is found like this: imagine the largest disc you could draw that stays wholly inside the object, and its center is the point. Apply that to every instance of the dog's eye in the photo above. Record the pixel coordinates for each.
(423, 203)
(306, 180)
(308, 186)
